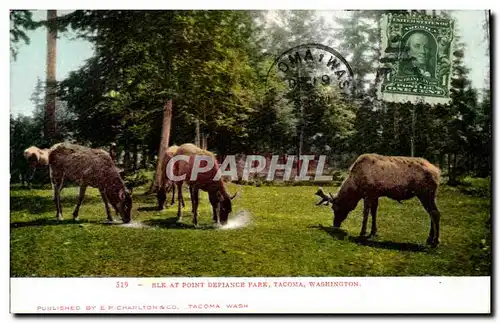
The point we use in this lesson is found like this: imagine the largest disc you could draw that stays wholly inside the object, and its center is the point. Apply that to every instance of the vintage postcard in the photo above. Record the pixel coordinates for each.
(250, 162)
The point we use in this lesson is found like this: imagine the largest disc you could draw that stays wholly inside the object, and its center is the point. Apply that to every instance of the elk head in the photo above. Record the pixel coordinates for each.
(123, 205)
(223, 204)
(339, 213)
(161, 197)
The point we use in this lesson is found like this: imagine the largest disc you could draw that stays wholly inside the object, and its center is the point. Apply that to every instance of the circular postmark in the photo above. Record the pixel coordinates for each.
(313, 65)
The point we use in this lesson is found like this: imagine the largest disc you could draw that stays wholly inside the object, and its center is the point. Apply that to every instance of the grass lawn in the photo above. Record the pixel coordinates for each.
(287, 236)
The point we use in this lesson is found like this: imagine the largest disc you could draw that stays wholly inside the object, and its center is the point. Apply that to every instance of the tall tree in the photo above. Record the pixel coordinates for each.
(50, 97)
(165, 136)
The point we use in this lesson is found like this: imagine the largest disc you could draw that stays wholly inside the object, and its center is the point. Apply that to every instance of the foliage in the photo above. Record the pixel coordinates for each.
(21, 21)
(26, 131)
(199, 59)
(138, 178)
(480, 187)
(213, 64)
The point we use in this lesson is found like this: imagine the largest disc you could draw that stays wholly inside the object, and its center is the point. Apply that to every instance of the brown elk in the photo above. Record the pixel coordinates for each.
(88, 167)
(206, 181)
(373, 176)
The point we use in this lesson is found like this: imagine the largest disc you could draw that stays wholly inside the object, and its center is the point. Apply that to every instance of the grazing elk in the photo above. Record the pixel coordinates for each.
(89, 167)
(217, 193)
(373, 176)
(166, 185)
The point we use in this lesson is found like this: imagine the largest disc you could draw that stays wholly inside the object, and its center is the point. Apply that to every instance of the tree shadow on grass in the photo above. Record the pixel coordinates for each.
(172, 223)
(149, 203)
(20, 188)
(34, 187)
(340, 234)
(42, 204)
(148, 209)
(54, 221)
(154, 208)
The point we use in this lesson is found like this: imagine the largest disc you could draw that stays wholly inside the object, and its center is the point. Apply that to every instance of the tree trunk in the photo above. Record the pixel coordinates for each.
(126, 157)
(448, 161)
(144, 158)
(135, 156)
(197, 140)
(165, 136)
(470, 164)
(441, 161)
(119, 156)
(204, 141)
(50, 94)
(112, 152)
(412, 139)
(453, 173)
(299, 149)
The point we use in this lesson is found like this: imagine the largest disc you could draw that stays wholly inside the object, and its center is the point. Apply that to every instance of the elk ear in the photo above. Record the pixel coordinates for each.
(129, 188)
(236, 194)
(121, 194)
(220, 197)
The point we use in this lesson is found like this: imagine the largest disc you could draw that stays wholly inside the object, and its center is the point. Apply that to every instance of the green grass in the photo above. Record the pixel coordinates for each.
(288, 236)
(480, 187)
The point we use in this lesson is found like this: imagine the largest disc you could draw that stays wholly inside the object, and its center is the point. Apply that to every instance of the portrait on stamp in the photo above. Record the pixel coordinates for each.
(418, 55)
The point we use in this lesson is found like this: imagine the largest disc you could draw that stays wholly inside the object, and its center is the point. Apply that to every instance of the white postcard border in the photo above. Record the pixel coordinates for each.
(241, 295)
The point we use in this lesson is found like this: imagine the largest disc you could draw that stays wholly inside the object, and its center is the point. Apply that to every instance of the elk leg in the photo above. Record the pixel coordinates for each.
(30, 178)
(191, 196)
(161, 196)
(366, 212)
(215, 208)
(57, 184)
(430, 238)
(215, 215)
(79, 202)
(173, 194)
(194, 203)
(180, 201)
(182, 198)
(429, 203)
(374, 208)
(106, 206)
(436, 215)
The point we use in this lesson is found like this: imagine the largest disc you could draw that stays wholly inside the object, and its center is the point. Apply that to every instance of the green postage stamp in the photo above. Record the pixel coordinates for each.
(417, 49)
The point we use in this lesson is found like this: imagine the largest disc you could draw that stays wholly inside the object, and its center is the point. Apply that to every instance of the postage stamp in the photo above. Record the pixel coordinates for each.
(417, 52)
